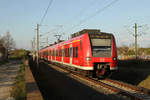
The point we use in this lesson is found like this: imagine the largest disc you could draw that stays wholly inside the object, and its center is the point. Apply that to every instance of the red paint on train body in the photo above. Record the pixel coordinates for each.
(90, 50)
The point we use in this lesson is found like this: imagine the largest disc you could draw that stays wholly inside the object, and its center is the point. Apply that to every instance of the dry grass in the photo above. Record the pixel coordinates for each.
(19, 90)
(145, 83)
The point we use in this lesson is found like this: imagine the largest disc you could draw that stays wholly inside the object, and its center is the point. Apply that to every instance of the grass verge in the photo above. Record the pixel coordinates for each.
(145, 83)
(19, 89)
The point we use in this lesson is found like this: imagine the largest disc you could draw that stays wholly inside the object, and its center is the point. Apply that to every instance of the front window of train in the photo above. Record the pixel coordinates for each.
(101, 46)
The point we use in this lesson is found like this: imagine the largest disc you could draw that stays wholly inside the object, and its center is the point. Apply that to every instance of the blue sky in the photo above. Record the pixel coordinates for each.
(20, 17)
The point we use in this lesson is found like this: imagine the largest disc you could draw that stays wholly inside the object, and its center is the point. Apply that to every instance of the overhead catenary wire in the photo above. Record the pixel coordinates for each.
(94, 14)
(83, 10)
(42, 19)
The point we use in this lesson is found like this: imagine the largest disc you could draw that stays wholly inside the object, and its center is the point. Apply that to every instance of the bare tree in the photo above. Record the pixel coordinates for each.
(8, 42)
(1, 40)
(2, 50)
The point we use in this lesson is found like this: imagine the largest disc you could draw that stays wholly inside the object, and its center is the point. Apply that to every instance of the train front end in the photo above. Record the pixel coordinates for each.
(100, 53)
(104, 53)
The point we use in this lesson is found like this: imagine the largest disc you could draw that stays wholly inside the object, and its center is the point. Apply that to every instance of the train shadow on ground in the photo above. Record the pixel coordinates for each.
(57, 86)
(132, 71)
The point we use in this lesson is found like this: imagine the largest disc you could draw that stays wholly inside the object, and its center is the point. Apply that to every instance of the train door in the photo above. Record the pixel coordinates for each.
(71, 53)
(55, 55)
(50, 54)
(62, 58)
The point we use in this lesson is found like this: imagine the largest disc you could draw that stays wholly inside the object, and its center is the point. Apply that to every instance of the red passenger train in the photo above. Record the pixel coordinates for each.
(89, 51)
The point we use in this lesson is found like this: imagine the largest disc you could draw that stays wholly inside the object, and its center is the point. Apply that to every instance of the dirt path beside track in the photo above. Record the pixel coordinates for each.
(8, 72)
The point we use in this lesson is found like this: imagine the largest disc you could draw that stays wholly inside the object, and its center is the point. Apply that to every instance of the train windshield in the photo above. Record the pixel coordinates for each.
(101, 47)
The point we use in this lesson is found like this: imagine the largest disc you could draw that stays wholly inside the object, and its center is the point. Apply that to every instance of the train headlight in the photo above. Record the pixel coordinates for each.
(114, 58)
(88, 58)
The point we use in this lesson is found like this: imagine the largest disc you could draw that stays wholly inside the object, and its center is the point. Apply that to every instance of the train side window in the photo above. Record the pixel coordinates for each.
(60, 52)
(53, 53)
(46, 52)
(65, 52)
(68, 52)
(76, 52)
(71, 52)
(57, 52)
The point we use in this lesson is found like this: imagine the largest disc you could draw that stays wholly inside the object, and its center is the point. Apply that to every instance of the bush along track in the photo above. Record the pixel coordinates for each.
(3, 62)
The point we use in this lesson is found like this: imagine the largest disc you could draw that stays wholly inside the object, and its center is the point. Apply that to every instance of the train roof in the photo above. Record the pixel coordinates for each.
(89, 31)
(77, 35)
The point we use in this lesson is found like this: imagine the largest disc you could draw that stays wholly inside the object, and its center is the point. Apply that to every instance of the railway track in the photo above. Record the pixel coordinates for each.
(130, 91)
(127, 87)
(108, 86)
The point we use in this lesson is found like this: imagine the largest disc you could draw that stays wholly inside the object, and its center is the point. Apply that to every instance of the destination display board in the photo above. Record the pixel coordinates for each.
(100, 35)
